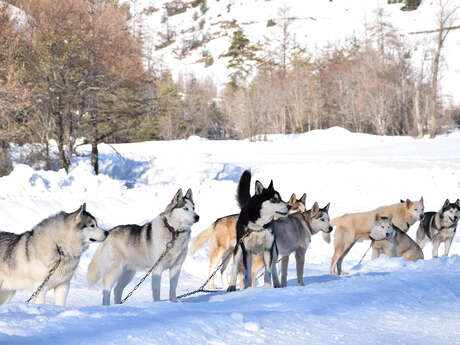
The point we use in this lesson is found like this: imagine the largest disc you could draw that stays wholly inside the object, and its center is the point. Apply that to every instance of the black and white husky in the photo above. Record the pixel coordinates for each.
(132, 247)
(439, 227)
(26, 259)
(256, 214)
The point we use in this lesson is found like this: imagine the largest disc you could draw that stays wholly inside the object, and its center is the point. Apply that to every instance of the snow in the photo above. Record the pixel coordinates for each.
(317, 24)
(385, 301)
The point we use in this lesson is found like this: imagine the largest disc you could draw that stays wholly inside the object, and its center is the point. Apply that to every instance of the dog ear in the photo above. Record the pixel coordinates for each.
(315, 209)
(189, 195)
(326, 208)
(292, 200)
(390, 218)
(79, 212)
(446, 204)
(408, 203)
(457, 203)
(303, 199)
(401, 201)
(377, 217)
(174, 200)
(421, 200)
(437, 221)
(270, 186)
(259, 187)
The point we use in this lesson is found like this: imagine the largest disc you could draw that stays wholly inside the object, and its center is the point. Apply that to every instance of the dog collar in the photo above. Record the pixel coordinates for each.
(171, 229)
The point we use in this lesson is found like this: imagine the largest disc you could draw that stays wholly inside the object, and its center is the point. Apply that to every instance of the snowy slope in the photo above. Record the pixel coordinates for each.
(315, 24)
(386, 301)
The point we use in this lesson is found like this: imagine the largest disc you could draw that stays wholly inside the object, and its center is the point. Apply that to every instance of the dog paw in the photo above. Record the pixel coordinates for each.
(231, 288)
(277, 286)
(301, 284)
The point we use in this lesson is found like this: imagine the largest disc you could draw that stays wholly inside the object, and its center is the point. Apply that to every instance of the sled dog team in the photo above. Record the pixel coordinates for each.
(267, 228)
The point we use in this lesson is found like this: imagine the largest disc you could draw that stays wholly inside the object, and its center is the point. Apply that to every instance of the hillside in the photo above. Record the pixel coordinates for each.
(191, 36)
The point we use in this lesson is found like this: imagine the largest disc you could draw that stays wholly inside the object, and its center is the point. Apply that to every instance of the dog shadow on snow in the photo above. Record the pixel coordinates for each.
(308, 280)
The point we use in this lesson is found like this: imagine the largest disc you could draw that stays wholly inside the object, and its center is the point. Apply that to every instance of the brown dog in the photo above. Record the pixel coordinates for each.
(222, 239)
(356, 227)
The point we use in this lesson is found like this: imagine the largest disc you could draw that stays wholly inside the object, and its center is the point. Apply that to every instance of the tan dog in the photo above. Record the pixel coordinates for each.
(356, 227)
(389, 240)
(222, 239)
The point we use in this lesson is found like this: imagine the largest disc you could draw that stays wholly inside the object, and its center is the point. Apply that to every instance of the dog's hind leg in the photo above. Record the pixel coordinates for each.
(60, 293)
(340, 260)
(228, 258)
(276, 281)
(108, 281)
(341, 243)
(268, 264)
(300, 263)
(125, 277)
(284, 269)
(214, 258)
(257, 263)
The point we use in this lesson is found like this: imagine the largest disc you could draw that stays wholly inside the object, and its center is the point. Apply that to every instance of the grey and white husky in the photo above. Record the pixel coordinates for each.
(129, 248)
(26, 259)
(253, 234)
(293, 234)
(439, 227)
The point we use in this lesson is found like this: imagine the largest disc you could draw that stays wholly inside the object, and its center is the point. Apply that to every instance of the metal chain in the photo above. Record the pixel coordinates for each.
(47, 278)
(201, 288)
(359, 263)
(168, 247)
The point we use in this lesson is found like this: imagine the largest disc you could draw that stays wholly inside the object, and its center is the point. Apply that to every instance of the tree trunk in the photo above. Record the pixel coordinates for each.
(94, 151)
(434, 85)
(60, 139)
(47, 157)
(419, 122)
(4, 157)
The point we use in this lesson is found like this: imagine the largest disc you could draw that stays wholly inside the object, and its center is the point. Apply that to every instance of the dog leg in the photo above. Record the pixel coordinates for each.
(268, 264)
(6, 295)
(125, 277)
(174, 273)
(41, 297)
(216, 255)
(248, 270)
(225, 268)
(300, 263)
(108, 281)
(436, 244)
(241, 275)
(339, 248)
(236, 262)
(420, 236)
(284, 269)
(156, 285)
(276, 281)
(447, 244)
(375, 253)
(257, 263)
(339, 262)
(60, 293)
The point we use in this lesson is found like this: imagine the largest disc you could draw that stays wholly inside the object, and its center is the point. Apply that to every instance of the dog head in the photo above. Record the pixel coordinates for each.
(297, 205)
(448, 215)
(86, 226)
(415, 209)
(319, 219)
(181, 210)
(271, 204)
(382, 229)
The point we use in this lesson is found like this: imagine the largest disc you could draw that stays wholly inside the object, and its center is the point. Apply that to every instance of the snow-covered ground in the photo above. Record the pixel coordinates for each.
(386, 301)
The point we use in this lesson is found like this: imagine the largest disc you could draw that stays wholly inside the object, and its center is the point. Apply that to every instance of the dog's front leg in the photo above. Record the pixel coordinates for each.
(300, 263)
(41, 297)
(436, 244)
(268, 264)
(247, 271)
(447, 244)
(60, 293)
(174, 273)
(156, 285)
(236, 262)
(284, 269)
(375, 253)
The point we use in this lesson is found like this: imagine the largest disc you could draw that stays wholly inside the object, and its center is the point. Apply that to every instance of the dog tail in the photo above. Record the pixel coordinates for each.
(94, 274)
(199, 241)
(327, 237)
(242, 193)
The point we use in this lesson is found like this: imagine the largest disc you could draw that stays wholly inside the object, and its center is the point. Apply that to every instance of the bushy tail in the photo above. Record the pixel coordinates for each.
(199, 241)
(94, 274)
(327, 237)
(242, 193)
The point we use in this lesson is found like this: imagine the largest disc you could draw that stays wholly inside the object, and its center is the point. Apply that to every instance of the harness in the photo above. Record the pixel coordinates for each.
(175, 233)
